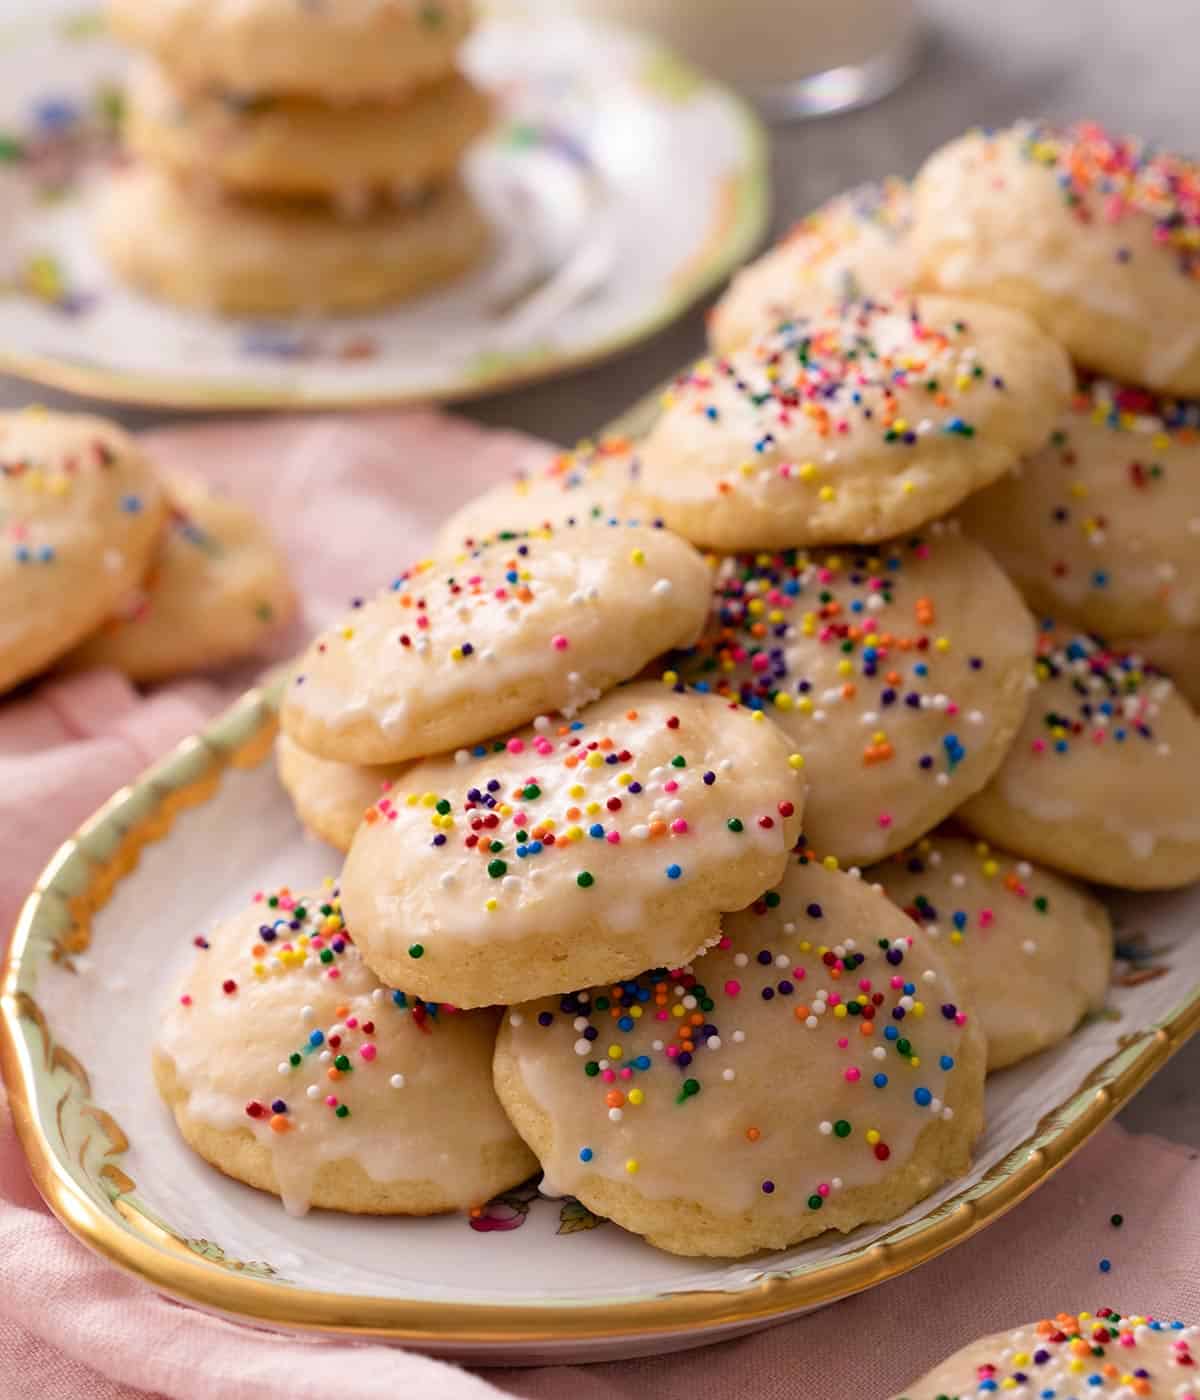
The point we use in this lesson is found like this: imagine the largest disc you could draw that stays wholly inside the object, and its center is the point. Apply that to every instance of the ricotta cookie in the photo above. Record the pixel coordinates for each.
(1175, 654)
(330, 798)
(1096, 236)
(900, 674)
(853, 425)
(296, 146)
(1030, 951)
(1101, 528)
(814, 1071)
(80, 515)
(1101, 781)
(348, 51)
(462, 648)
(288, 1066)
(587, 486)
(190, 245)
(573, 852)
(1098, 1354)
(216, 592)
(855, 246)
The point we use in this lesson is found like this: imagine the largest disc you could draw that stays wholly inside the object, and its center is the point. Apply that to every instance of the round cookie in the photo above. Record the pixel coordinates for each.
(462, 648)
(854, 246)
(268, 145)
(1030, 951)
(351, 50)
(329, 797)
(80, 514)
(1095, 236)
(859, 423)
(1175, 654)
(1100, 781)
(190, 245)
(901, 674)
(813, 1071)
(218, 589)
(1072, 1354)
(588, 485)
(289, 1067)
(1101, 528)
(575, 851)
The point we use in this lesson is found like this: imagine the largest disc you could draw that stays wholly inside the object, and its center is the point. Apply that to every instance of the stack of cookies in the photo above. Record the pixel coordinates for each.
(672, 751)
(294, 157)
(108, 563)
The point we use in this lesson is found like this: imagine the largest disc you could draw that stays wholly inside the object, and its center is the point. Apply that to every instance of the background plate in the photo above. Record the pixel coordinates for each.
(110, 927)
(622, 185)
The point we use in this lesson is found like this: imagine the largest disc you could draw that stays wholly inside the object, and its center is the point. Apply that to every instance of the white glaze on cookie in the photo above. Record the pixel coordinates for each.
(280, 1030)
(465, 647)
(608, 841)
(900, 673)
(802, 1060)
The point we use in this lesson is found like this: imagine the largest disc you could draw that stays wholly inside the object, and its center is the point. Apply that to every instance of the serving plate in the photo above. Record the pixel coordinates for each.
(110, 926)
(621, 184)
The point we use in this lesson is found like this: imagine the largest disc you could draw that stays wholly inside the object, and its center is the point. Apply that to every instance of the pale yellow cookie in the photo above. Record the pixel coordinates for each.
(1107, 1355)
(190, 245)
(589, 485)
(814, 1071)
(574, 851)
(901, 674)
(298, 146)
(1031, 951)
(1094, 235)
(1176, 654)
(288, 1066)
(217, 590)
(1101, 528)
(852, 425)
(341, 50)
(329, 797)
(80, 514)
(1101, 780)
(854, 246)
(472, 645)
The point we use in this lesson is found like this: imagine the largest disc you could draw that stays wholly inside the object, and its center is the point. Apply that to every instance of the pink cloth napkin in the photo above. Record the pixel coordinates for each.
(353, 501)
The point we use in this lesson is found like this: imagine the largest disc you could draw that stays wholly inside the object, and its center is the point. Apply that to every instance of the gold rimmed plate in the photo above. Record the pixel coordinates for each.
(621, 186)
(109, 927)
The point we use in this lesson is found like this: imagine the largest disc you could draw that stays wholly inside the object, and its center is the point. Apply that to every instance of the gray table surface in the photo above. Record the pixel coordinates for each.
(1130, 63)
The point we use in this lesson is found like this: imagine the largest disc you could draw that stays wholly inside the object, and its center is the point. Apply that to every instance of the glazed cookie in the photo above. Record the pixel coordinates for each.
(297, 146)
(348, 51)
(575, 851)
(1101, 781)
(192, 246)
(217, 591)
(854, 246)
(853, 425)
(814, 1071)
(1030, 951)
(80, 513)
(589, 485)
(329, 797)
(901, 674)
(1096, 236)
(1101, 528)
(463, 648)
(1176, 654)
(1072, 1354)
(289, 1067)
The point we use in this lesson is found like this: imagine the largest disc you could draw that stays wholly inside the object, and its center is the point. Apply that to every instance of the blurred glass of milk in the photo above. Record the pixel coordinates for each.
(796, 58)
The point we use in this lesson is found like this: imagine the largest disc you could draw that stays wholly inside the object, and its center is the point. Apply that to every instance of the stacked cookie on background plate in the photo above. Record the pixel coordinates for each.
(106, 562)
(295, 157)
(684, 815)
